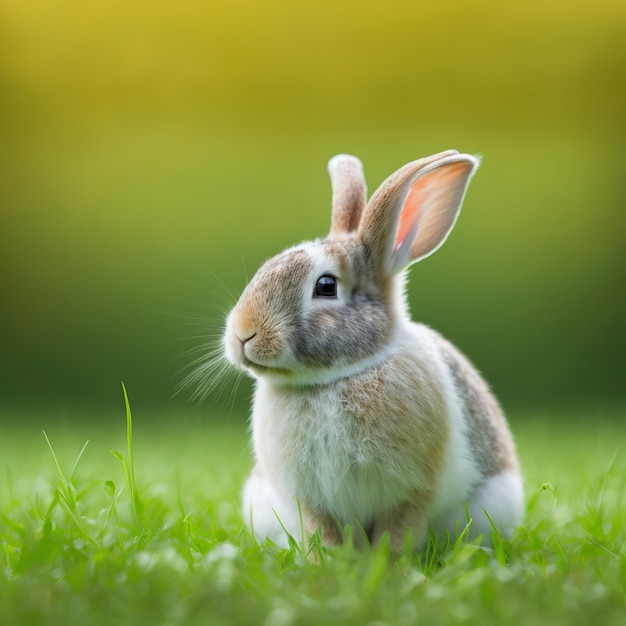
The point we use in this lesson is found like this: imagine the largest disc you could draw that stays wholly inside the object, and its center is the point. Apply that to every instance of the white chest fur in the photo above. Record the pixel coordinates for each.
(353, 451)
(315, 448)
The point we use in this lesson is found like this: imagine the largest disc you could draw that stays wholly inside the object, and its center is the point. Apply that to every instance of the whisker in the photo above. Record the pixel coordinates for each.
(207, 375)
(216, 282)
(243, 263)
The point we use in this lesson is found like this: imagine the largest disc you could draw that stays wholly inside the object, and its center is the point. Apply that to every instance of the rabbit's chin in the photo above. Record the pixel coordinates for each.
(257, 370)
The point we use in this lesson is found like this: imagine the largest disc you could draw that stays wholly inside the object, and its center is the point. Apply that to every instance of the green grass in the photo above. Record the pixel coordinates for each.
(153, 535)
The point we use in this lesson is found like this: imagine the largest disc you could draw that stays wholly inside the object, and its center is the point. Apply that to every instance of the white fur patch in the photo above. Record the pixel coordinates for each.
(501, 496)
(269, 514)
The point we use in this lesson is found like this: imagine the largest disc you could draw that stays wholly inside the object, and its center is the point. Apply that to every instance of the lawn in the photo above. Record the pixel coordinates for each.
(157, 537)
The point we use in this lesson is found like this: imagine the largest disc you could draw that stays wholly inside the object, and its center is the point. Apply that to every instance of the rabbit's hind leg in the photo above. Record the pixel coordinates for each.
(499, 498)
(502, 498)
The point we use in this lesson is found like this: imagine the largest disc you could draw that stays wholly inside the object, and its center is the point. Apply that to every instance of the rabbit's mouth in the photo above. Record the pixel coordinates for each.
(263, 370)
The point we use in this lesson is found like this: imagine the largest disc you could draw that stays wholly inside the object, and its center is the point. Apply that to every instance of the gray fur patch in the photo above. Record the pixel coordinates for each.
(487, 440)
(345, 333)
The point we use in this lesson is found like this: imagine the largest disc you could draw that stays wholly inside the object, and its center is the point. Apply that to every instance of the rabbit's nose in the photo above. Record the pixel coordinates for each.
(245, 336)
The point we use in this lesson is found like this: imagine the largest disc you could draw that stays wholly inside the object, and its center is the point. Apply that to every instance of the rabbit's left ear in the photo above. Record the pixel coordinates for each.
(411, 214)
(349, 193)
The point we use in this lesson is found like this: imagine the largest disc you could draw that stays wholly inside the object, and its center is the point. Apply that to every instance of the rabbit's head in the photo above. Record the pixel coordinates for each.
(326, 308)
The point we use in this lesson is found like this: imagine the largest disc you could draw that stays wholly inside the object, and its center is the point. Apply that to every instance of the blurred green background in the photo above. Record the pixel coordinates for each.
(152, 154)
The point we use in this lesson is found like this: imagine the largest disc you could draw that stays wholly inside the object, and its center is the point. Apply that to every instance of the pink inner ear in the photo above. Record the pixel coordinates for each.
(411, 210)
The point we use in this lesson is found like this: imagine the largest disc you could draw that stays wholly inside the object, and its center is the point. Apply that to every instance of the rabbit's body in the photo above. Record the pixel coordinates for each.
(335, 445)
(361, 416)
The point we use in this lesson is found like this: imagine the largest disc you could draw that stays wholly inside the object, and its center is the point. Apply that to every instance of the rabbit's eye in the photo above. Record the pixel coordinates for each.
(326, 287)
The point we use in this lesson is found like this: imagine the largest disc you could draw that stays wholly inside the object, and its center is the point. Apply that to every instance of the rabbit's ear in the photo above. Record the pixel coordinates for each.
(349, 193)
(413, 211)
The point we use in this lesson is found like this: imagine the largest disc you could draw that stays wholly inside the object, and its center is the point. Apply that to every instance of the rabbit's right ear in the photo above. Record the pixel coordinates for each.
(413, 211)
(349, 193)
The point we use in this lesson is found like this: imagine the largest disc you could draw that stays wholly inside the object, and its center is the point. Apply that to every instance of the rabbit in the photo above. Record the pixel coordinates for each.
(360, 416)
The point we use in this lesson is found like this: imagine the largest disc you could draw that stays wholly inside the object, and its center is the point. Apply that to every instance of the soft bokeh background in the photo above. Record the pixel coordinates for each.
(152, 153)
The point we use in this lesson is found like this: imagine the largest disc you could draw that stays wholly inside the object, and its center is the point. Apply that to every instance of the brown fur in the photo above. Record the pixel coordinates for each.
(401, 407)
(409, 515)
(258, 312)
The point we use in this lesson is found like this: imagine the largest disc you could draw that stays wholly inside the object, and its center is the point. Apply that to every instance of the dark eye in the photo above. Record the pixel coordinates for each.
(326, 287)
